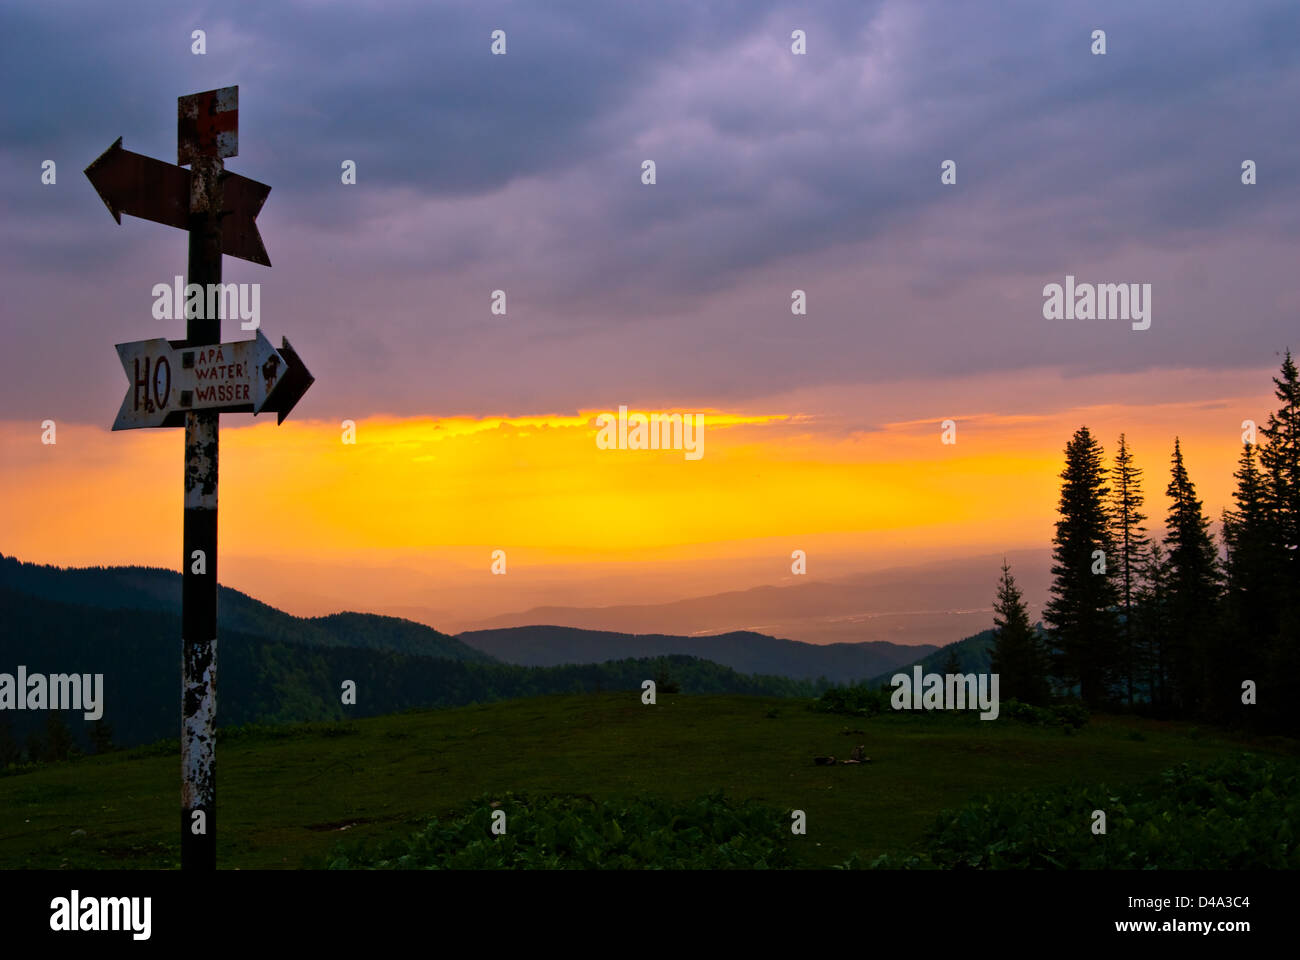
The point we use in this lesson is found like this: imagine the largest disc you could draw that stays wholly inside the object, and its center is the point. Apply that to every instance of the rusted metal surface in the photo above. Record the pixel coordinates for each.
(199, 643)
(165, 380)
(198, 731)
(207, 125)
(206, 188)
(243, 199)
(201, 441)
(294, 382)
(141, 186)
(150, 189)
(199, 536)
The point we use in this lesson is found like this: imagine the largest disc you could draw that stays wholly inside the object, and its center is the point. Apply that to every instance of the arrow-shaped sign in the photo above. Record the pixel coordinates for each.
(151, 189)
(169, 378)
(294, 382)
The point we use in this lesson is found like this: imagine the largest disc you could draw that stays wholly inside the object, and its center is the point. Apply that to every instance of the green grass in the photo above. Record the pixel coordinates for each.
(291, 796)
(1239, 813)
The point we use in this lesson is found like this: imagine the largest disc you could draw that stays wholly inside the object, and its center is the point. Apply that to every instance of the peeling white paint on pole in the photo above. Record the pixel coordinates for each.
(200, 461)
(198, 731)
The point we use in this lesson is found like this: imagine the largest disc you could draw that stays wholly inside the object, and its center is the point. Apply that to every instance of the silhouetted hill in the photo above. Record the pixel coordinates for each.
(745, 651)
(272, 682)
(973, 653)
(159, 591)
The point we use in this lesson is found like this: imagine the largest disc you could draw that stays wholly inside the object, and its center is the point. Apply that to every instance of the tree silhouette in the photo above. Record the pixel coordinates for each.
(1251, 573)
(1131, 543)
(1152, 622)
(1081, 611)
(1279, 458)
(10, 752)
(1193, 589)
(101, 736)
(1280, 461)
(59, 744)
(1017, 654)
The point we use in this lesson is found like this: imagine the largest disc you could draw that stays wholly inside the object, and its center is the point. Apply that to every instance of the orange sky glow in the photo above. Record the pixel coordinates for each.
(411, 512)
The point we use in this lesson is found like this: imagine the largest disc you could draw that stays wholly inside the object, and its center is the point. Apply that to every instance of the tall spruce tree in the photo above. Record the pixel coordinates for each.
(1279, 457)
(59, 744)
(1082, 609)
(10, 752)
(1280, 461)
(35, 747)
(1152, 621)
(1251, 569)
(101, 736)
(1018, 656)
(1131, 544)
(1193, 592)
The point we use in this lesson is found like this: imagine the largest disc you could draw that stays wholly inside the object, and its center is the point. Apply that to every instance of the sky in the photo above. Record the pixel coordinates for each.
(774, 172)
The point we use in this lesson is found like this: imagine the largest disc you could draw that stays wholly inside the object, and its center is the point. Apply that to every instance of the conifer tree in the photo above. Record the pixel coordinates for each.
(1017, 654)
(1131, 543)
(35, 744)
(10, 752)
(1152, 621)
(59, 744)
(1279, 458)
(1082, 609)
(1280, 462)
(1193, 590)
(1250, 614)
(101, 736)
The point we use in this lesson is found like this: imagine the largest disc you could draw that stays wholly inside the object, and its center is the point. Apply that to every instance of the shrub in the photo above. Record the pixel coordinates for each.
(664, 683)
(1242, 813)
(569, 832)
(859, 701)
(1068, 715)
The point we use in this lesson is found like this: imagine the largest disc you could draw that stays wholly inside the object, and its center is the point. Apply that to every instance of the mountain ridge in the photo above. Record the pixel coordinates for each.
(928, 603)
(158, 590)
(742, 650)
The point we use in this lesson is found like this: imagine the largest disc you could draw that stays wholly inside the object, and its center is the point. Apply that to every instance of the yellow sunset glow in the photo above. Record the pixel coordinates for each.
(541, 484)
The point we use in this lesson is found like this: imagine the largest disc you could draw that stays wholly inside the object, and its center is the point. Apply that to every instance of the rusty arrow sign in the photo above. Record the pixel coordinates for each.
(150, 189)
(167, 379)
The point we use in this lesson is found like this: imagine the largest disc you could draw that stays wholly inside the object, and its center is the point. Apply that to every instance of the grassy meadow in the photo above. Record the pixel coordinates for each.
(288, 797)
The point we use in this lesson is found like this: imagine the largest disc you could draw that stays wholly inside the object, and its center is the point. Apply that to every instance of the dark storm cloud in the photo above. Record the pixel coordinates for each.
(774, 171)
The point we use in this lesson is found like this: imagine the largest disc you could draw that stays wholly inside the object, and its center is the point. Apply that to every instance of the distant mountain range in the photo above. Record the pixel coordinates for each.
(929, 603)
(745, 651)
(124, 622)
(154, 590)
(274, 668)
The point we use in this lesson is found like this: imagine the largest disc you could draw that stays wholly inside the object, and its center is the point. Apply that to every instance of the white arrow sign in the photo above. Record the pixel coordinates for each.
(167, 381)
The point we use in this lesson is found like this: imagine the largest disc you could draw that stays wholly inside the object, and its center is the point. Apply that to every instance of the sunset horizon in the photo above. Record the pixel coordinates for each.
(539, 488)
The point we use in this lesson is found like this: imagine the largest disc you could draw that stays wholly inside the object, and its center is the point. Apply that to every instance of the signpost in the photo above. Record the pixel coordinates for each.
(191, 382)
(168, 380)
(150, 189)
